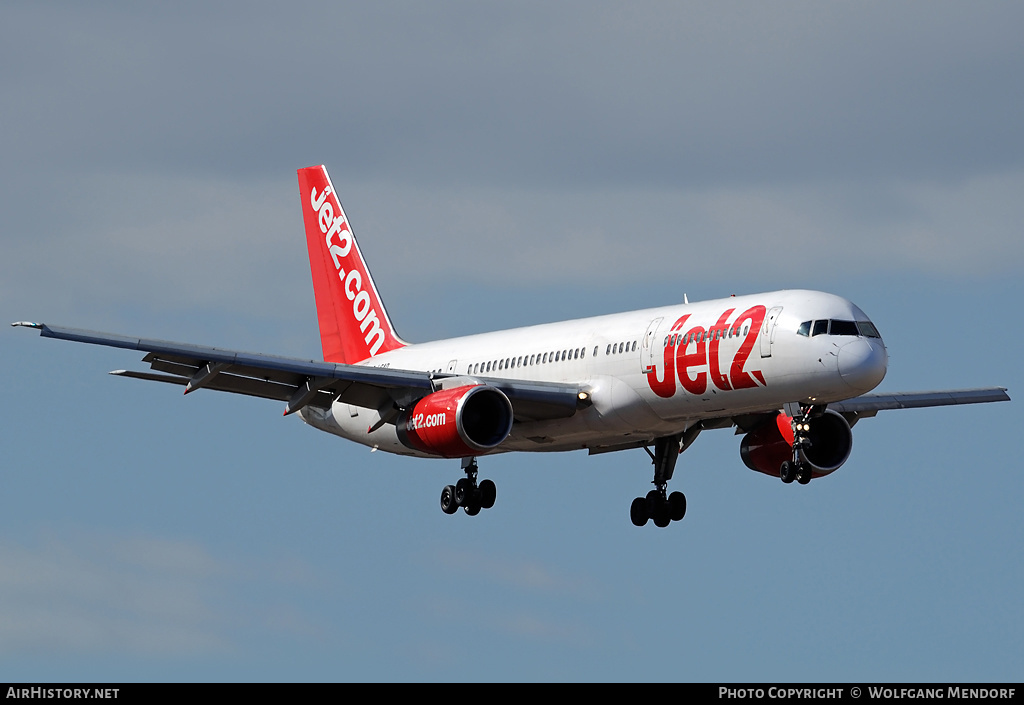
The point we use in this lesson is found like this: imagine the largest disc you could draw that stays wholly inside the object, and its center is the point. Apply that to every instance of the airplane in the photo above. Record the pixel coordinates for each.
(790, 370)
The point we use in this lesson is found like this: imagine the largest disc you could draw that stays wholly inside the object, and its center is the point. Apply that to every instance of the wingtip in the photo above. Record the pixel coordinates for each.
(27, 324)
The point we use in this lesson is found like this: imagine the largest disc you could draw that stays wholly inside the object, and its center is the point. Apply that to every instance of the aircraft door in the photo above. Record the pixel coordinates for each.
(768, 331)
(452, 364)
(647, 349)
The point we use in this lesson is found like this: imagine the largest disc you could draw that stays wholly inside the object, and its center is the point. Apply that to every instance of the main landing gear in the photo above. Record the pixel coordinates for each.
(658, 505)
(798, 468)
(467, 494)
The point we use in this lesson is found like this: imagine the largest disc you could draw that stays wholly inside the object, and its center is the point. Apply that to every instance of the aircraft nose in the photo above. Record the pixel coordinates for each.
(862, 363)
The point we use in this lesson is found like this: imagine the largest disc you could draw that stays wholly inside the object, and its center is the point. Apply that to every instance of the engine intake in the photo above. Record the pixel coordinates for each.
(458, 422)
(765, 448)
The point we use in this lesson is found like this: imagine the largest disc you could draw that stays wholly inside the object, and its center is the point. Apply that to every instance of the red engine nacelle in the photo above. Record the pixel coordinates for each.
(768, 446)
(458, 422)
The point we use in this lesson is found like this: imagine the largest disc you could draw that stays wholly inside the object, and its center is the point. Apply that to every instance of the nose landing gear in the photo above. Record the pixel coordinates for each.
(799, 469)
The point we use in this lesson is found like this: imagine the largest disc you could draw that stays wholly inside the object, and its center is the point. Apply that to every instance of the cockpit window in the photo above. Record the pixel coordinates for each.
(842, 328)
(867, 328)
(837, 327)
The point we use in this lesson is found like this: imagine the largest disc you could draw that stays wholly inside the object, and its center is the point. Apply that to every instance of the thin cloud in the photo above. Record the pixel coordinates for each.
(145, 595)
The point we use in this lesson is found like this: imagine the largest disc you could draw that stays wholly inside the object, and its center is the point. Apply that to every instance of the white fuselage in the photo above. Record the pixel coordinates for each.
(653, 372)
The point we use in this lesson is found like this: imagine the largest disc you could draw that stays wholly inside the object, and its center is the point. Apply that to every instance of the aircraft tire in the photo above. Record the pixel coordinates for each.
(786, 472)
(464, 492)
(653, 499)
(676, 506)
(638, 512)
(488, 493)
(803, 475)
(472, 509)
(448, 503)
(661, 517)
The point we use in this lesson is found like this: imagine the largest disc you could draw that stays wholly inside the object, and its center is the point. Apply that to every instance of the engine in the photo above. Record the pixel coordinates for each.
(765, 448)
(458, 422)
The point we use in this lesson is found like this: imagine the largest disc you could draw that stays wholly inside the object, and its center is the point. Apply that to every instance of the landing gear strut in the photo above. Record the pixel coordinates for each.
(658, 505)
(467, 494)
(799, 469)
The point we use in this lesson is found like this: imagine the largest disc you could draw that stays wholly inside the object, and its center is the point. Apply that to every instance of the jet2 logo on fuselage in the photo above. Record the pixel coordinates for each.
(689, 352)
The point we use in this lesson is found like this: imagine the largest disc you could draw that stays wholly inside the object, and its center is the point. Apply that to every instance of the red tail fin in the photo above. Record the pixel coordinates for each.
(353, 322)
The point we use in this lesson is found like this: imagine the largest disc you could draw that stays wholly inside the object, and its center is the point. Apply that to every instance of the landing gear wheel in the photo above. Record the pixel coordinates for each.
(488, 493)
(638, 512)
(786, 472)
(676, 506)
(448, 503)
(653, 499)
(464, 491)
(657, 506)
(803, 475)
(472, 509)
(661, 517)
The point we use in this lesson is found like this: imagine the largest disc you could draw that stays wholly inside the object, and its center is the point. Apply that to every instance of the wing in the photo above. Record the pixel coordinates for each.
(870, 404)
(861, 407)
(309, 382)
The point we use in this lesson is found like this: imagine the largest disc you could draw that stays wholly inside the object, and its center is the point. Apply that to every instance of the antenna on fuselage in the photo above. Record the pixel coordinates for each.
(685, 300)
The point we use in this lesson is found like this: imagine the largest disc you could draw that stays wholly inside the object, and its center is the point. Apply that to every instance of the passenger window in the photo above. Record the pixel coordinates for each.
(820, 328)
(804, 329)
(595, 351)
(633, 349)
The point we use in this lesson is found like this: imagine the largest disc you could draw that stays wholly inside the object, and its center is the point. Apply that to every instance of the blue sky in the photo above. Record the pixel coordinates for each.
(503, 165)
